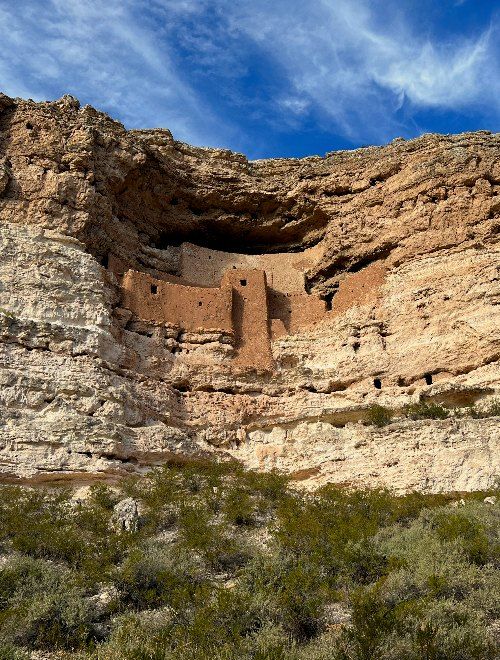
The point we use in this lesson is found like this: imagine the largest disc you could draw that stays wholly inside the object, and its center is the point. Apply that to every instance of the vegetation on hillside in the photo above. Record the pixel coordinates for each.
(381, 415)
(230, 564)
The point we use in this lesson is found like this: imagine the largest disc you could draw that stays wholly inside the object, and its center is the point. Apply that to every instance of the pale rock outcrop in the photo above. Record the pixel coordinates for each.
(421, 455)
(125, 516)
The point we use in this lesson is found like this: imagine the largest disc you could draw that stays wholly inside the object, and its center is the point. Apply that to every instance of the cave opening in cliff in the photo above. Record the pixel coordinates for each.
(236, 241)
(377, 383)
(168, 240)
(328, 298)
(428, 379)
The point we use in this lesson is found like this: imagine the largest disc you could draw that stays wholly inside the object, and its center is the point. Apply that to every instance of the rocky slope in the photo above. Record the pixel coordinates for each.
(87, 390)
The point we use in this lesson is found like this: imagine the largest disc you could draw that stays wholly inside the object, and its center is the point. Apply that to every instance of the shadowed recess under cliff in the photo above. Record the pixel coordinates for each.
(233, 218)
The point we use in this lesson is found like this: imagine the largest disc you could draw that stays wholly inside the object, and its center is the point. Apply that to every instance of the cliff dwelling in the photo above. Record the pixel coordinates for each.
(256, 298)
(179, 300)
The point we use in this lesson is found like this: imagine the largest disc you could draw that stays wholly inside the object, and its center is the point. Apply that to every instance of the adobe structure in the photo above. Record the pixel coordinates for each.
(254, 298)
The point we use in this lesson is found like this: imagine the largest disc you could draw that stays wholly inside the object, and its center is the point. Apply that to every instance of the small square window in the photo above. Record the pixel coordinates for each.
(243, 282)
(154, 288)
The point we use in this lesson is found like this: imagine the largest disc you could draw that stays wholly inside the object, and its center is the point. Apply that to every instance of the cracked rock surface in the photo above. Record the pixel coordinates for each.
(88, 390)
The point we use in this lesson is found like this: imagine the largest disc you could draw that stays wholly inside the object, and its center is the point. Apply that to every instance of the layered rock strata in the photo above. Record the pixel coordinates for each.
(398, 246)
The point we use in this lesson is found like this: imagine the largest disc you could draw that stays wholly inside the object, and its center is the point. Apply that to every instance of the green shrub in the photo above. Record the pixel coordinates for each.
(425, 410)
(11, 652)
(42, 606)
(37, 524)
(225, 625)
(288, 591)
(363, 562)
(372, 620)
(50, 526)
(412, 629)
(492, 409)
(379, 415)
(239, 508)
(138, 637)
(224, 621)
(270, 486)
(466, 531)
(157, 576)
(214, 542)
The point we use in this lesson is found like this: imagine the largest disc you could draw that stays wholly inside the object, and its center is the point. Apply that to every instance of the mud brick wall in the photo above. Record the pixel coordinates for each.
(188, 307)
(360, 288)
(284, 271)
(245, 303)
(250, 316)
(290, 312)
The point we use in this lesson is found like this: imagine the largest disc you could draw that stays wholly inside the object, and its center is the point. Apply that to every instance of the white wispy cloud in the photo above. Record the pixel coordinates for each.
(339, 56)
(105, 53)
(362, 68)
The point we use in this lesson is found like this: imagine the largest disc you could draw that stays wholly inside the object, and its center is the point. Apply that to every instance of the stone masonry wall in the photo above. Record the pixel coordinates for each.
(190, 308)
(244, 303)
(250, 317)
(284, 271)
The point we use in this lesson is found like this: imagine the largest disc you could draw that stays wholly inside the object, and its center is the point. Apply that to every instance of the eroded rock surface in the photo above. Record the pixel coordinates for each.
(386, 258)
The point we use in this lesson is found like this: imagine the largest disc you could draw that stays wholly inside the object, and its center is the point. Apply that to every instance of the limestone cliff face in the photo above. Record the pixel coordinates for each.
(392, 254)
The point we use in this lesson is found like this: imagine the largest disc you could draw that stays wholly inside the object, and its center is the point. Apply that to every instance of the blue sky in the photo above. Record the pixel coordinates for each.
(264, 77)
